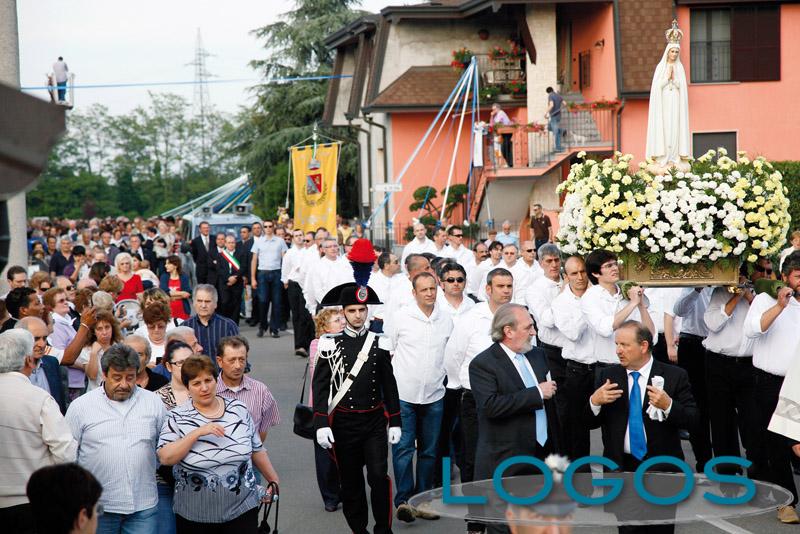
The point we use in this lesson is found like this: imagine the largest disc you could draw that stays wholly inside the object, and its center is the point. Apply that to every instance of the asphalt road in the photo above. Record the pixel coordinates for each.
(302, 512)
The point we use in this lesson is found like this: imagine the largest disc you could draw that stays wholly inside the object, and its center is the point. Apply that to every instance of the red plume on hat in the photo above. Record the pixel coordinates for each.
(362, 257)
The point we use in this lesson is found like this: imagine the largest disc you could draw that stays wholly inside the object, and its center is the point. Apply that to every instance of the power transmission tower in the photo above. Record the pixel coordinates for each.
(201, 98)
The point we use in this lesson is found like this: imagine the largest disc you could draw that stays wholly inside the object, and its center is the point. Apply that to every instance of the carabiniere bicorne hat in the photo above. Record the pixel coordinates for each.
(362, 257)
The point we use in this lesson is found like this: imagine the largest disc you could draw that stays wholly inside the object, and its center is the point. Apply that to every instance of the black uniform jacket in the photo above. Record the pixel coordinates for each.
(374, 386)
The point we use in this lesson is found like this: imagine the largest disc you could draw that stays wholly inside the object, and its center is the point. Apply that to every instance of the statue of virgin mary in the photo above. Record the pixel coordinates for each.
(668, 117)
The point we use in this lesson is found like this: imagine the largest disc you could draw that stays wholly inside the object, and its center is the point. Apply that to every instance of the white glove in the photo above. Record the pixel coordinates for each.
(325, 437)
(394, 435)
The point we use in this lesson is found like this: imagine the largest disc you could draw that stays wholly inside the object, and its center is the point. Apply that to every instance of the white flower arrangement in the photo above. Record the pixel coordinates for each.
(721, 210)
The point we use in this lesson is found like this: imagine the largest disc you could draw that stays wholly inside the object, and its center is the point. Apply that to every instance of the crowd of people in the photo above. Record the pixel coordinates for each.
(120, 347)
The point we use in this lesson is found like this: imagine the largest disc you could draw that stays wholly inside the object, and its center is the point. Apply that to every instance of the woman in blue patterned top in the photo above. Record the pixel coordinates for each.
(213, 444)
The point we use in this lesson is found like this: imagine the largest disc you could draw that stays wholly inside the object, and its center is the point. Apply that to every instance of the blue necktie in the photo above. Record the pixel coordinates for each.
(635, 423)
(541, 416)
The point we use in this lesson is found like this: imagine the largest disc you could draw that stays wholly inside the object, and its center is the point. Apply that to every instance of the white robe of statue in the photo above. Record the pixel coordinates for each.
(668, 116)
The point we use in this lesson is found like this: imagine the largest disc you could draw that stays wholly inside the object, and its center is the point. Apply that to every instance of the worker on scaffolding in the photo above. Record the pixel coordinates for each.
(61, 72)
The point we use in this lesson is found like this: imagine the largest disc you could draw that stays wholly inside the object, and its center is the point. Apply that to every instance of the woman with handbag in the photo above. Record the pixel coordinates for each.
(213, 444)
(327, 321)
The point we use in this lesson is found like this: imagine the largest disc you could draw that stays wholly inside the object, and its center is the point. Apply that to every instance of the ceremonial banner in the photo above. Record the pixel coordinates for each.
(315, 186)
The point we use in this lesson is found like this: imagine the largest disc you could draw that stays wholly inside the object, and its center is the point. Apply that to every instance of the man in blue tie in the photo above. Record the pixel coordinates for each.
(620, 403)
(512, 388)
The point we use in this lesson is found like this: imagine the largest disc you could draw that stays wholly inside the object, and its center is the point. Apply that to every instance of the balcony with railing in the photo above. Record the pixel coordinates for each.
(589, 127)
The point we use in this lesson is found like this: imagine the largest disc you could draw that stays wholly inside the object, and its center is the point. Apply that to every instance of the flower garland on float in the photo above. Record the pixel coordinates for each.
(720, 211)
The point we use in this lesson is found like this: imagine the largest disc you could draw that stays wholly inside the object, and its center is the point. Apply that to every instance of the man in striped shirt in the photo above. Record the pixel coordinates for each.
(209, 326)
(232, 383)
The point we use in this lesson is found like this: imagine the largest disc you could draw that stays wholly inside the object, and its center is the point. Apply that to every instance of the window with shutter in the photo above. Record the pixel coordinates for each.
(755, 43)
(739, 43)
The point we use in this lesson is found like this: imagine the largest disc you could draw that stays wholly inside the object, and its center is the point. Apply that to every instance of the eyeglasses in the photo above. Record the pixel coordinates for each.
(307, 240)
(459, 280)
(69, 288)
(267, 226)
(457, 235)
(61, 301)
(44, 288)
(178, 363)
(529, 250)
(762, 269)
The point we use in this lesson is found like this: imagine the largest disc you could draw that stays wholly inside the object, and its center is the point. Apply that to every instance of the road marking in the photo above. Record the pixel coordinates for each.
(727, 526)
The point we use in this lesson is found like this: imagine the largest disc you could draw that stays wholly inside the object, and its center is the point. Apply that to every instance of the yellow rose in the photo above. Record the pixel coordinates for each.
(752, 258)
(626, 180)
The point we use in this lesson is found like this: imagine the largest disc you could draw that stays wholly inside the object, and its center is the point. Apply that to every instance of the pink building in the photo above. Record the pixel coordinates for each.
(598, 55)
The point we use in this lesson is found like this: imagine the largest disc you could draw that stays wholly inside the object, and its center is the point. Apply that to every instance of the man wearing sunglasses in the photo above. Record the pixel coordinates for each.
(456, 249)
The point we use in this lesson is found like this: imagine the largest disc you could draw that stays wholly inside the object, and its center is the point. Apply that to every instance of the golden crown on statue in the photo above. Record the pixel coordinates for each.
(674, 34)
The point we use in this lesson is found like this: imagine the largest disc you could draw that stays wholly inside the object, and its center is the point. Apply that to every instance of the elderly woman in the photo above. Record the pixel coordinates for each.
(176, 284)
(213, 444)
(131, 282)
(55, 300)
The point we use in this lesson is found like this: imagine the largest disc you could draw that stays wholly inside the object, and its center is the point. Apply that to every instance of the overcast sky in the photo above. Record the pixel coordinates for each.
(110, 41)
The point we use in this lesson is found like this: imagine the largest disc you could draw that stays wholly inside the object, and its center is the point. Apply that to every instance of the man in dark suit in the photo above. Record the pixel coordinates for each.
(201, 248)
(513, 394)
(512, 389)
(630, 436)
(45, 372)
(231, 270)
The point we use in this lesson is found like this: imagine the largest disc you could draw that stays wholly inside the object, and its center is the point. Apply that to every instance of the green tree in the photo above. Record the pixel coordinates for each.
(284, 113)
(140, 163)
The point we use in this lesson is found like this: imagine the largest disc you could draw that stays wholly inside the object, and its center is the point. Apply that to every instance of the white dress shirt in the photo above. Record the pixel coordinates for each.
(471, 335)
(726, 332)
(291, 266)
(523, 279)
(571, 323)
(644, 378)
(691, 306)
(773, 350)
(382, 285)
(418, 360)
(324, 276)
(462, 255)
(415, 246)
(401, 295)
(444, 304)
(662, 300)
(599, 307)
(539, 299)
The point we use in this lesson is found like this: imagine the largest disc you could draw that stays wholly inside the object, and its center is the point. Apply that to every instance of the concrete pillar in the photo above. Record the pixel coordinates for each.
(542, 25)
(9, 75)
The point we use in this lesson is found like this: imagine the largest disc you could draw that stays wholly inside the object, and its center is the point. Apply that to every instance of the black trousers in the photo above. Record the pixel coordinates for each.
(18, 519)
(469, 434)
(285, 308)
(231, 302)
(579, 387)
(558, 372)
(692, 358)
(732, 406)
(507, 149)
(327, 476)
(450, 443)
(302, 323)
(361, 441)
(247, 523)
(775, 455)
(660, 349)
